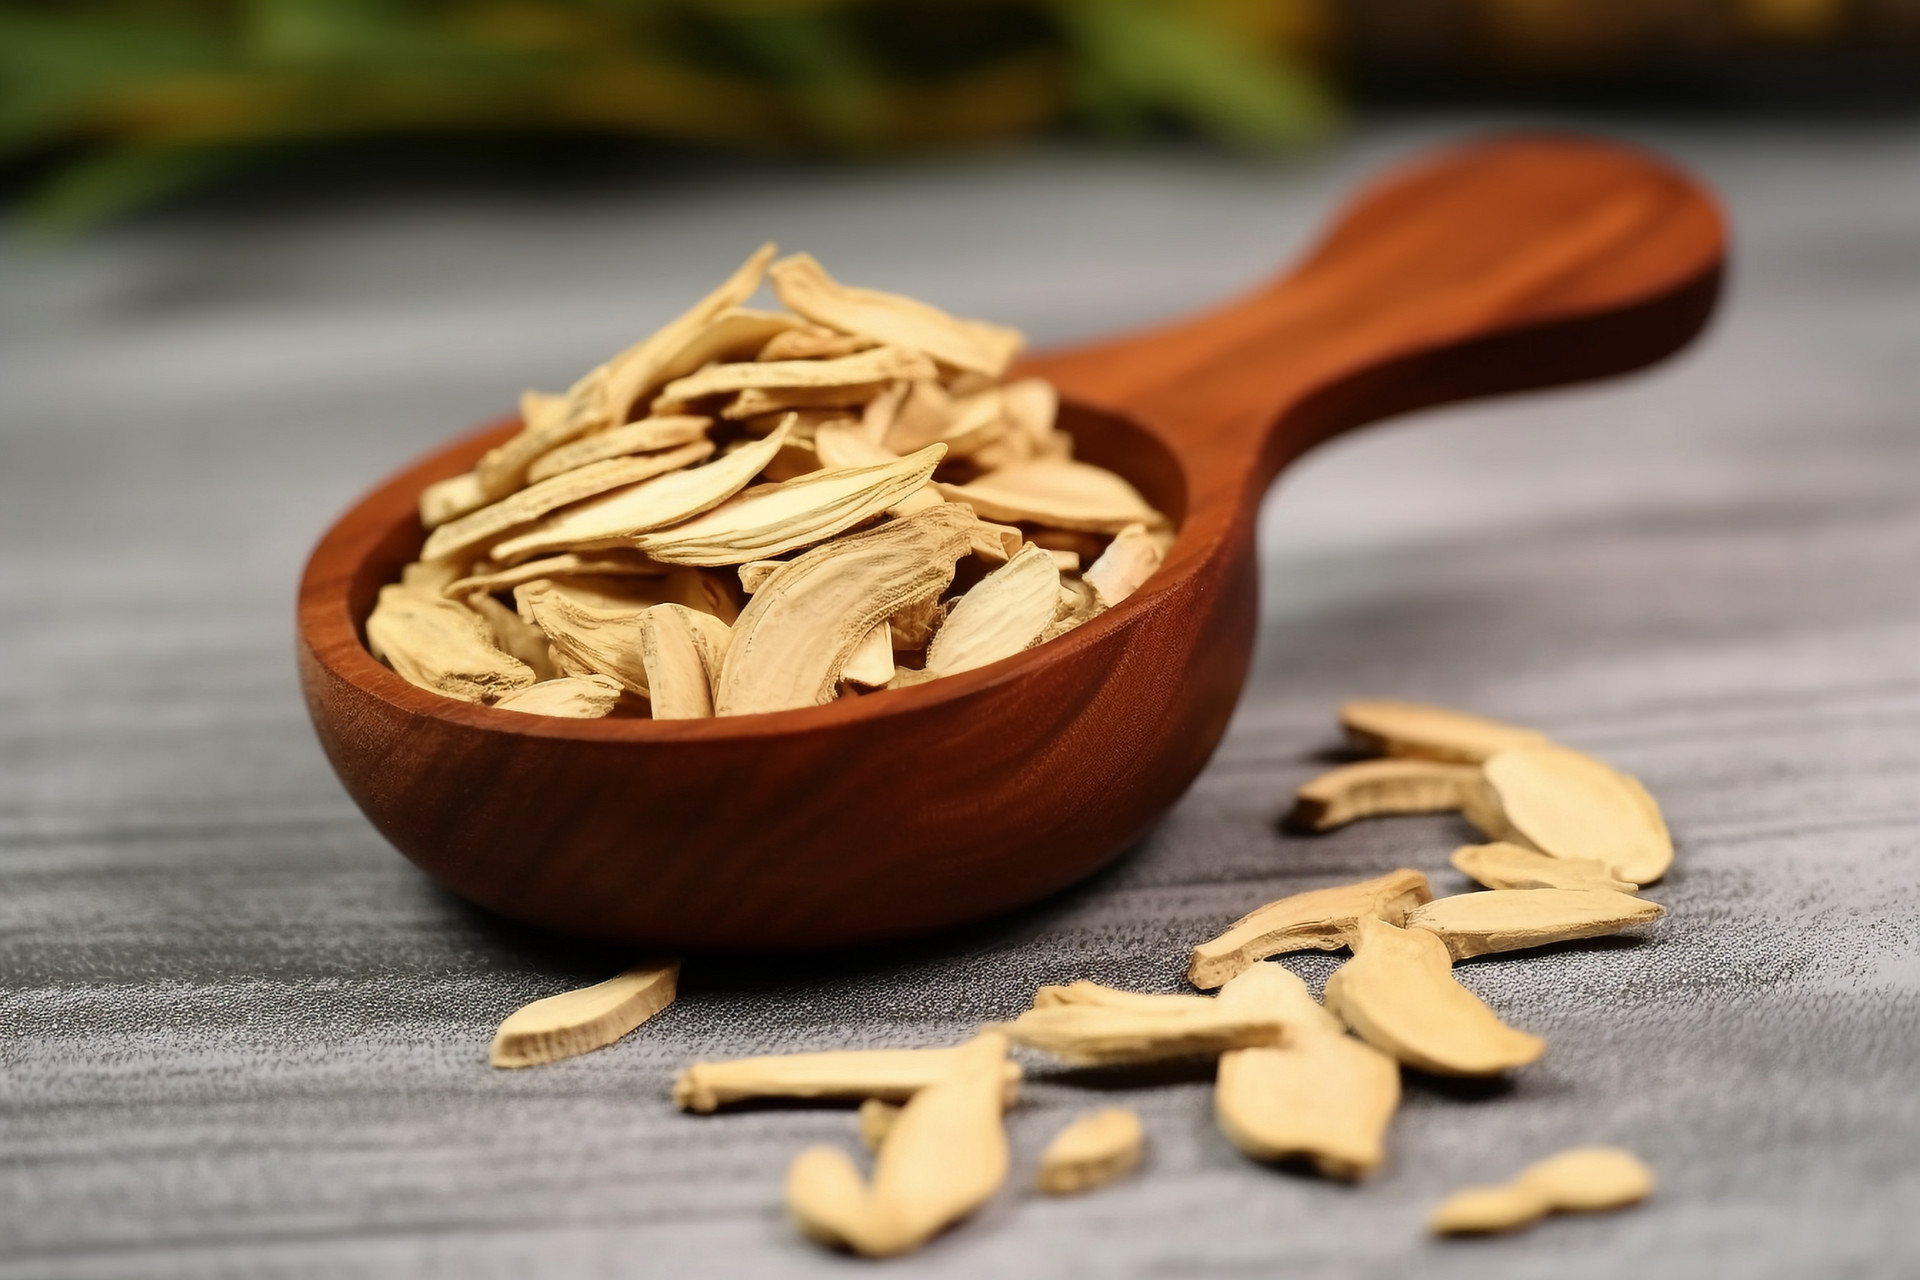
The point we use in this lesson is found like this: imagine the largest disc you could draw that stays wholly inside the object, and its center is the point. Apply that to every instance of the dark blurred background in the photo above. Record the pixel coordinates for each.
(111, 105)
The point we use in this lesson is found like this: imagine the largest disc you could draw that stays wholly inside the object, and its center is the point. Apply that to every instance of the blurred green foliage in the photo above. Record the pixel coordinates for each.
(121, 101)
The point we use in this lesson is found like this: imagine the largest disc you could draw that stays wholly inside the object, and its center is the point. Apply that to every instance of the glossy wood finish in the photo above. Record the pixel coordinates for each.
(1506, 265)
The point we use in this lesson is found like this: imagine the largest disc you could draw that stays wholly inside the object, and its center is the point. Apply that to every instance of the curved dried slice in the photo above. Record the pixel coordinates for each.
(644, 436)
(1369, 788)
(878, 365)
(796, 635)
(912, 623)
(1510, 866)
(603, 397)
(570, 697)
(442, 645)
(1566, 803)
(892, 1075)
(803, 285)
(681, 649)
(585, 637)
(811, 342)
(1398, 994)
(1031, 406)
(1052, 491)
(1124, 567)
(1085, 992)
(1318, 920)
(457, 537)
(576, 1022)
(569, 565)
(1325, 1098)
(1582, 1180)
(876, 1121)
(1474, 924)
(848, 444)
(1105, 1034)
(1428, 732)
(1097, 1148)
(944, 1156)
(449, 499)
(1002, 615)
(513, 634)
(770, 520)
(617, 518)
(871, 663)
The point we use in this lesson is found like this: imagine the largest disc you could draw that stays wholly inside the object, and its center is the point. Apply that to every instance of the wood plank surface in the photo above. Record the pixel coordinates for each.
(240, 1036)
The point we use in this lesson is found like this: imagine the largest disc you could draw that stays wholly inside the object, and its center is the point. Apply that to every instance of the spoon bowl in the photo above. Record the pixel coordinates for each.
(1505, 265)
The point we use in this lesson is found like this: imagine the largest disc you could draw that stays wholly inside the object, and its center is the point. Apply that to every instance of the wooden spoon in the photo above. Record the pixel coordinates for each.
(1509, 264)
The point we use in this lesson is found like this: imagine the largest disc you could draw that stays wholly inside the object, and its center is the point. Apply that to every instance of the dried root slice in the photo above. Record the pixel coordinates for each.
(1398, 994)
(570, 697)
(514, 635)
(615, 519)
(1568, 804)
(1152, 1029)
(462, 536)
(681, 649)
(876, 1121)
(596, 563)
(1372, 787)
(1510, 866)
(1427, 732)
(871, 663)
(1124, 566)
(879, 365)
(1475, 924)
(1084, 992)
(577, 1022)
(442, 645)
(771, 520)
(644, 436)
(892, 1075)
(1065, 495)
(810, 342)
(847, 443)
(1323, 1098)
(602, 398)
(587, 638)
(1319, 920)
(451, 498)
(912, 624)
(944, 1157)
(1097, 1148)
(792, 641)
(1002, 615)
(1031, 406)
(1583, 1180)
(805, 287)
(993, 543)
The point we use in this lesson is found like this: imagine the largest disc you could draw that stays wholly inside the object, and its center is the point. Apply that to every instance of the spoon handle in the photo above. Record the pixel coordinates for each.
(1502, 265)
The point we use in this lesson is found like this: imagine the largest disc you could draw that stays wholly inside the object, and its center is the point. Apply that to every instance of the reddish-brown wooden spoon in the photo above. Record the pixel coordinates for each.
(1509, 264)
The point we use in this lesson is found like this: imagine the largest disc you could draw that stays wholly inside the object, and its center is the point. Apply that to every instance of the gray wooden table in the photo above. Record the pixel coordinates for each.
(240, 1036)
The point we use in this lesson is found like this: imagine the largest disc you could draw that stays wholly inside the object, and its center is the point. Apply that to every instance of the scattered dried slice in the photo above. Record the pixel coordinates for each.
(571, 697)
(796, 635)
(816, 404)
(442, 645)
(585, 637)
(1085, 1034)
(570, 565)
(1428, 732)
(461, 536)
(1124, 566)
(1318, 920)
(1326, 1098)
(1084, 992)
(847, 444)
(892, 1075)
(871, 663)
(773, 519)
(876, 1121)
(1398, 994)
(1566, 803)
(514, 635)
(945, 1155)
(1474, 924)
(451, 498)
(1066, 495)
(1510, 866)
(576, 1022)
(1031, 405)
(1369, 788)
(912, 624)
(879, 365)
(681, 649)
(810, 342)
(615, 519)
(1583, 1180)
(1002, 615)
(644, 436)
(1097, 1148)
(802, 284)
(430, 578)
